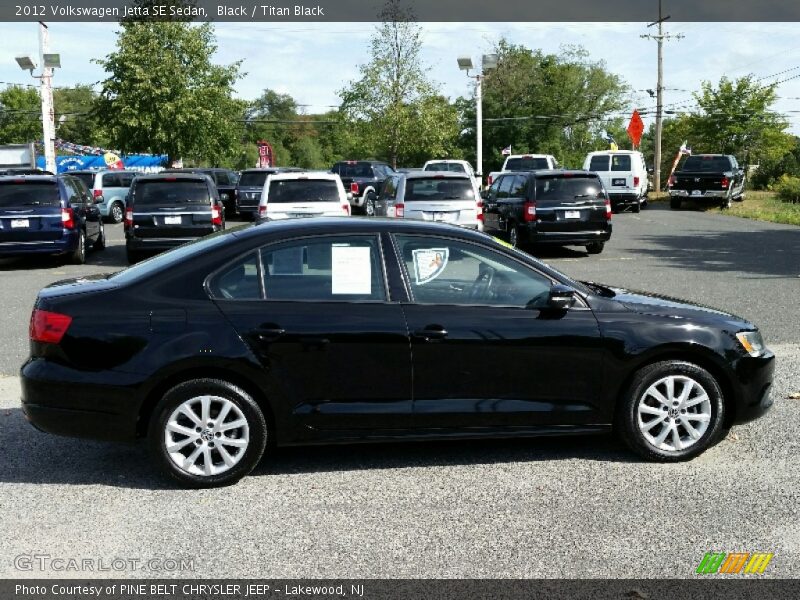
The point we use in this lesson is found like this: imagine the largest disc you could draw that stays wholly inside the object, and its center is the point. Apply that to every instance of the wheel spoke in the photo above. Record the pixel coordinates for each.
(232, 425)
(181, 429)
(657, 395)
(187, 411)
(676, 438)
(650, 424)
(178, 445)
(650, 410)
(670, 385)
(207, 466)
(226, 408)
(192, 458)
(697, 417)
(663, 435)
(695, 401)
(688, 386)
(692, 431)
(205, 403)
(226, 456)
(238, 443)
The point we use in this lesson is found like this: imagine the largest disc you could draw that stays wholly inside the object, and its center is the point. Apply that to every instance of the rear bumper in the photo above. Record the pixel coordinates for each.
(754, 375)
(715, 194)
(565, 238)
(58, 400)
(65, 244)
(623, 199)
(136, 244)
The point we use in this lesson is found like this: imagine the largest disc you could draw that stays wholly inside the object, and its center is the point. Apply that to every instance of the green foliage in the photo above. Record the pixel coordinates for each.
(393, 101)
(20, 115)
(769, 171)
(551, 103)
(164, 95)
(75, 118)
(788, 189)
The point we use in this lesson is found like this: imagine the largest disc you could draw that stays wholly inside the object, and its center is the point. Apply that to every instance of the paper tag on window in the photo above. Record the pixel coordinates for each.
(429, 264)
(351, 270)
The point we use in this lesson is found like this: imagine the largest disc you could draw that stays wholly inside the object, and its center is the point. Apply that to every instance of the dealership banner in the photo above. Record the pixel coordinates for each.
(393, 589)
(146, 163)
(278, 11)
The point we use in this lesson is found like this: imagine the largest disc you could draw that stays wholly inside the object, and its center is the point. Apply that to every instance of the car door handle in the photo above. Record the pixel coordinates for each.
(269, 332)
(431, 333)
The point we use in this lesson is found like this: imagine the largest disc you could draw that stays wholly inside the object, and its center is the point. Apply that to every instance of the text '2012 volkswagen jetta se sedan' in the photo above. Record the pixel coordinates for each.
(338, 330)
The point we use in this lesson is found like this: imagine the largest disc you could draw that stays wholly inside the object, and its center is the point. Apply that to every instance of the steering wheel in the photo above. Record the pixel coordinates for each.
(480, 288)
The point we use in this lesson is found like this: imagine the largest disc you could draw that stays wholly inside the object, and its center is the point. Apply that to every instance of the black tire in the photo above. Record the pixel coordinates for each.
(675, 203)
(255, 423)
(133, 256)
(637, 207)
(513, 234)
(369, 205)
(726, 203)
(595, 247)
(627, 419)
(100, 242)
(78, 256)
(116, 212)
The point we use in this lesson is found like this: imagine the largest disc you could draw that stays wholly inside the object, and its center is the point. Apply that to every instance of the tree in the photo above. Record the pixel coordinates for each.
(75, 118)
(163, 94)
(390, 97)
(20, 115)
(545, 103)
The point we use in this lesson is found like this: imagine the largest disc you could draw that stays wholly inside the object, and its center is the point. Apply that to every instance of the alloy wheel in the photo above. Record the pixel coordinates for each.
(206, 435)
(117, 212)
(513, 236)
(674, 413)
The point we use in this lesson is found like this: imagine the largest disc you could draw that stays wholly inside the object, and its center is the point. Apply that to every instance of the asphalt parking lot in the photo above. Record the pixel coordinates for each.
(577, 507)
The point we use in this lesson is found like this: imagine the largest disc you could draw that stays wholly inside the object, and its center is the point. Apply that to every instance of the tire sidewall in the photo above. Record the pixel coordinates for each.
(198, 387)
(114, 207)
(627, 421)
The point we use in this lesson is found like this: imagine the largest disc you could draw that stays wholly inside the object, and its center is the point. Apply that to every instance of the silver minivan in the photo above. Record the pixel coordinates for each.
(439, 196)
(112, 186)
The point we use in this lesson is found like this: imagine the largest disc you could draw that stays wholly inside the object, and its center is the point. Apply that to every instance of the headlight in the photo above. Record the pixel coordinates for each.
(751, 342)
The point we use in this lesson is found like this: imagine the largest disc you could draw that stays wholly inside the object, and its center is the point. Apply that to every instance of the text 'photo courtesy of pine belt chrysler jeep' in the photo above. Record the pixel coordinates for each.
(314, 331)
(715, 179)
(47, 214)
(567, 208)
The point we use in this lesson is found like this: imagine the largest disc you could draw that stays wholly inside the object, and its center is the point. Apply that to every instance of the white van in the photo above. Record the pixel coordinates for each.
(303, 194)
(525, 162)
(624, 175)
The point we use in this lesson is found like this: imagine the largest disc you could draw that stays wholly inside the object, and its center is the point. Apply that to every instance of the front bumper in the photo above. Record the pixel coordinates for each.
(754, 378)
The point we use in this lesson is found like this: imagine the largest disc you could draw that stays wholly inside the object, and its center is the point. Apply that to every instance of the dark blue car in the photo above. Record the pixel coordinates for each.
(46, 214)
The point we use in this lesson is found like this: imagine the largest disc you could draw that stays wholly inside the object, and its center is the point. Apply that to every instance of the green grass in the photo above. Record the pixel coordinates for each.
(764, 206)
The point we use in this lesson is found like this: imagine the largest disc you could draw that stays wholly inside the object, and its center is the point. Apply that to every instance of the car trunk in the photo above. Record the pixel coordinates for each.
(570, 204)
(172, 209)
(30, 212)
(441, 199)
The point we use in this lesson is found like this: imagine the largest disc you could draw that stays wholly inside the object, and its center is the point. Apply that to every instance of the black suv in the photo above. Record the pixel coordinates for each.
(568, 208)
(364, 180)
(224, 179)
(250, 186)
(166, 210)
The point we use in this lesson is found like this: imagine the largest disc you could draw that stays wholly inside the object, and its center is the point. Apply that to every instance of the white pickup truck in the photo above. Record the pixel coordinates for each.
(525, 162)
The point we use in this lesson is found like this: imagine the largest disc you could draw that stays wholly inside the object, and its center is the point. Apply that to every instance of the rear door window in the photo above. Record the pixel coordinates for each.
(621, 162)
(518, 186)
(302, 190)
(505, 187)
(13, 194)
(111, 180)
(599, 163)
(86, 178)
(177, 193)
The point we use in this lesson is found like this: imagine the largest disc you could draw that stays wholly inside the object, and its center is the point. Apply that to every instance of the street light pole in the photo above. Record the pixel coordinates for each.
(46, 91)
(479, 124)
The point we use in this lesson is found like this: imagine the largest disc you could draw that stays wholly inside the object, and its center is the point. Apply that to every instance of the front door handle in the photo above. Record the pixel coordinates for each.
(270, 332)
(431, 333)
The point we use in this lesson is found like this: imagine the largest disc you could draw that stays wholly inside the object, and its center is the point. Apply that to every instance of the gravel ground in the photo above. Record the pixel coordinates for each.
(573, 507)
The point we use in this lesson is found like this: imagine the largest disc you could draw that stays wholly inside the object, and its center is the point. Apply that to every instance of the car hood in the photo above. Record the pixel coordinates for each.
(667, 306)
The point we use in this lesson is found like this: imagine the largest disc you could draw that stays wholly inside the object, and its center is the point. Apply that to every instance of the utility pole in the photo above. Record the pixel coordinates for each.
(46, 91)
(479, 125)
(659, 38)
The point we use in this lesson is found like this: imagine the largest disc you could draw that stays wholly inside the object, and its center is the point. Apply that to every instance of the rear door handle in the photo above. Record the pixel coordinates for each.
(431, 333)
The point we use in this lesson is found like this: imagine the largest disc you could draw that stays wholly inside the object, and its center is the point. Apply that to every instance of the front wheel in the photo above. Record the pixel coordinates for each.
(675, 203)
(672, 411)
(116, 212)
(514, 237)
(207, 433)
(595, 247)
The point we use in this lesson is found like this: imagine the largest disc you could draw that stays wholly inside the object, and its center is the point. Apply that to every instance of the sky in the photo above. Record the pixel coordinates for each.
(312, 61)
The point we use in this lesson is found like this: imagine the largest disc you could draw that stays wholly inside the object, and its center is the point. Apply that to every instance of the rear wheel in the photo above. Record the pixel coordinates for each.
(78, 256)
(637, 207)
(675, 203)
(595, 247)
(672, 411)
(207, 433)
(513, 235)
(726, 203)
(116, 212)
(369, 205)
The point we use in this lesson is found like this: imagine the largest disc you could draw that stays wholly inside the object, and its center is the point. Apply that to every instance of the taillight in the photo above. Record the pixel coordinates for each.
(672, 180)
(608, 209)
(635, 182)
(216, 216)
(354, 188)
(399, 210)
(724, 183)
(129, 217)
(480, 210)
(529, 211)
(48, 327)
(346, 209)
(262, 210)
(97, 193)
(489, 180)
(67, 218)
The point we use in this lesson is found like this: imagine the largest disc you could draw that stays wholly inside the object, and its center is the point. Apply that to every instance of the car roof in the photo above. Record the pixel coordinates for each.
(20, 177)
(272, 170)
(553, 172)
(528, 156)
(435, 175)
(163, 175)
(327, 175)
(97, 171)
(355, 162)
(601, 152)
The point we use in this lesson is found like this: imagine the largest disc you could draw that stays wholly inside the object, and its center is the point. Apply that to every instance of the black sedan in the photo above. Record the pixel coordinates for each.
(312, 331)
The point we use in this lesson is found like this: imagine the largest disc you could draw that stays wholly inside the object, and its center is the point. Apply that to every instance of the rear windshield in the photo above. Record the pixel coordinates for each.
(707, 163)
(170, 193)
(568, 188)
(526, 164)
(442, 166)
(303, 190)
(621, 162)
(86, 178)
(431, 188)
(599, 163)
(28, 194)
(355, 170)
(253, 179)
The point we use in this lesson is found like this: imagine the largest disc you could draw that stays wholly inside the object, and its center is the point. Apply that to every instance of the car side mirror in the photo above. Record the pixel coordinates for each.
(561, 297)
